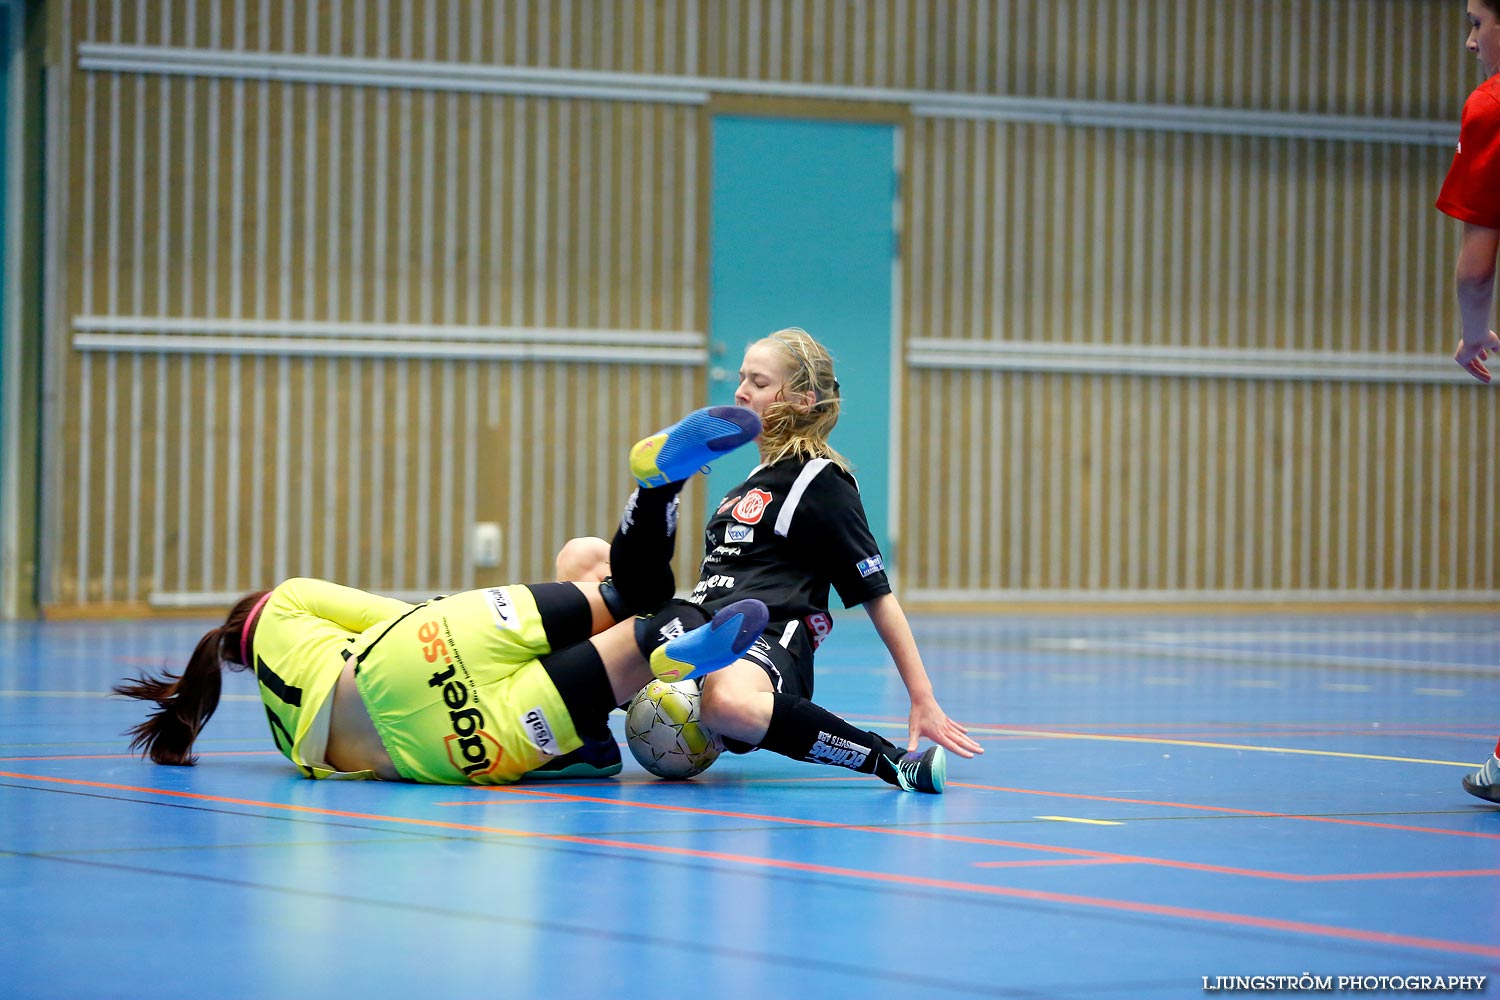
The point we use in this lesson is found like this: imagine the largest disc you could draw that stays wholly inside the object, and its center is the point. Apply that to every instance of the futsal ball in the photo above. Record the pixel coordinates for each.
(664, 734)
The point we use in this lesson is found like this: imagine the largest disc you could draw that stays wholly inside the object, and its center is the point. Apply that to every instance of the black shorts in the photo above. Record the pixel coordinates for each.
(785, 652)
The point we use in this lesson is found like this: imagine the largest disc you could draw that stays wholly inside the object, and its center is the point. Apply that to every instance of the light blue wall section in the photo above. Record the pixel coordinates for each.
(802, 234)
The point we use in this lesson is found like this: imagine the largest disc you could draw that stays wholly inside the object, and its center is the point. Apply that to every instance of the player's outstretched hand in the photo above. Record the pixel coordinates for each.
(1471, 356)
(931, 721)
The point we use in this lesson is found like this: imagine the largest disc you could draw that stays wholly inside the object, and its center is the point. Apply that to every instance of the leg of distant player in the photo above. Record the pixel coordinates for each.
(1485, 782)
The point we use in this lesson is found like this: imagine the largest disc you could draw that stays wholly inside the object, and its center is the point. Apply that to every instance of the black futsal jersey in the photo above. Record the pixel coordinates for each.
(786, 535)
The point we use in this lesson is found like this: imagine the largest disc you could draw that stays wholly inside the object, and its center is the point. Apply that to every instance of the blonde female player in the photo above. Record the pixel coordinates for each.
(786, 535)
(1471, 194)
(480, 687)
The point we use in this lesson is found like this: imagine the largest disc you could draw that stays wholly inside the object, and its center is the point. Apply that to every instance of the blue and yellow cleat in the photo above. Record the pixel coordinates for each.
(710, 647)
(697, 439)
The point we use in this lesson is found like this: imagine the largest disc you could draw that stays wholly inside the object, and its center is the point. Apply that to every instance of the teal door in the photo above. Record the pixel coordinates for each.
(803, 234)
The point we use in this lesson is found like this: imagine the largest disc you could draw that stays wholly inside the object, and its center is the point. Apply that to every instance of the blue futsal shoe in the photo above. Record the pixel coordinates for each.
(1485, 782)
(916, 771)
(709, 647)
(697, 439)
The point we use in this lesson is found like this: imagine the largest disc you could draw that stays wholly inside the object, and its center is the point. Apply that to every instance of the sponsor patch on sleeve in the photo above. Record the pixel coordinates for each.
(501, 608)
(738, 534)
(874, 564)
(819, 625)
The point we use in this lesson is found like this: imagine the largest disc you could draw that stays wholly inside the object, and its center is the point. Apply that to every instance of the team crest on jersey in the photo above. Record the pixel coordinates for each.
(501, 608)
(874, 564)
(739, 534)
(752, 507)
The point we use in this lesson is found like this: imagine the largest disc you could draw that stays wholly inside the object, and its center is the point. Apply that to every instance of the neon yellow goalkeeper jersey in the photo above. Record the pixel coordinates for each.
(299, 643)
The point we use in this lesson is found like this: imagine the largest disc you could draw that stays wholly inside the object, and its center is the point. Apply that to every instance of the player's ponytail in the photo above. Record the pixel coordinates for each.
(185, 702)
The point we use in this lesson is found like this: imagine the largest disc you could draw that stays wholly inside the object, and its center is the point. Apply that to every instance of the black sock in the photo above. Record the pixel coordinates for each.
(674, 618)
(640, 555)
(804, 731)
(564, 611)
(580, 678)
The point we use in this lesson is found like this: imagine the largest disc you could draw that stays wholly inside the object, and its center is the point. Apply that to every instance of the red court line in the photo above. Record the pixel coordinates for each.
(1253, 734)
(890, 878)
(1247, 732)
(517, 790)
(1375, 876)
(136, 756)
(1195, 866)
(1233, 812)
(1102, 857)
(1046, 863)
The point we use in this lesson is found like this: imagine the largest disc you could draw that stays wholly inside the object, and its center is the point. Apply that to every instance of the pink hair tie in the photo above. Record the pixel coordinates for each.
(245, 630)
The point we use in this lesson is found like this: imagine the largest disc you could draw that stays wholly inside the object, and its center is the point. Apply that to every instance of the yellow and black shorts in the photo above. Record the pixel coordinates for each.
(458, 693)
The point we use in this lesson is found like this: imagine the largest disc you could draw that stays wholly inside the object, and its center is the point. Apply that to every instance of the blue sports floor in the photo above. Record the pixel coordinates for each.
(1163, 799)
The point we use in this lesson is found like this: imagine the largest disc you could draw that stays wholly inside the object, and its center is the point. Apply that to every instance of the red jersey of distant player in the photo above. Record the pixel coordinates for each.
(1471, 192)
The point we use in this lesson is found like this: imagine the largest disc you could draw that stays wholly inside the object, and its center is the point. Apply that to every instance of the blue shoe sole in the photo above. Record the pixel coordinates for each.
(697, 439)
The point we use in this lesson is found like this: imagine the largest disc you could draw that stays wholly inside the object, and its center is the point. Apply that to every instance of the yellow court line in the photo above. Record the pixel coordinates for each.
(1224, 746)
(1091, 822)
(1162, 741)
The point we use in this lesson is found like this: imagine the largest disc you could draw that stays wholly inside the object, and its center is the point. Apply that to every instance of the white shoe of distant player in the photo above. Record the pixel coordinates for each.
(1485, 782)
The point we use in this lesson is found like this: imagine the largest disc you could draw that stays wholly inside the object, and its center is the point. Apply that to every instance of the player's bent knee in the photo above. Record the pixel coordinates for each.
(733, 709)
(583, 560)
